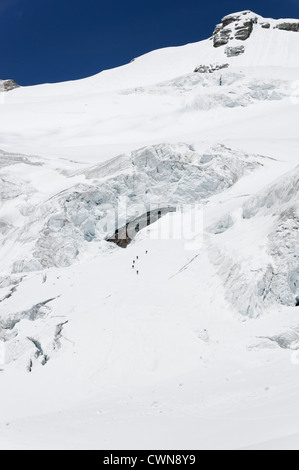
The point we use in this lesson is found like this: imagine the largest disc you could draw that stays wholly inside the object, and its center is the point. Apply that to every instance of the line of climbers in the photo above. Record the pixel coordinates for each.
(134, 263)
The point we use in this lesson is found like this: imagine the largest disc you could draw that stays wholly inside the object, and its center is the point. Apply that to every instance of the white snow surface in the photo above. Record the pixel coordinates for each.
(200, 349)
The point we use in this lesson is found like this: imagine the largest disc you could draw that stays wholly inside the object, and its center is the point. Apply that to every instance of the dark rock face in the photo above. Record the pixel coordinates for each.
(217, 29)
(289, 26)
(266, 25)
(8, 85)
(243, 32)
(210, 68)
(234, 51)
(124, 235)
(222, 37)
(229, 20)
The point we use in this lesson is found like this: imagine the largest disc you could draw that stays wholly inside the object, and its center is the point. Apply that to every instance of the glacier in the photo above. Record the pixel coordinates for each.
(120, 344)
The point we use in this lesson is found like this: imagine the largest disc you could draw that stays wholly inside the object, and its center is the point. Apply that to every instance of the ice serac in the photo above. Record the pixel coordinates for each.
(158, 176)
(270, 275)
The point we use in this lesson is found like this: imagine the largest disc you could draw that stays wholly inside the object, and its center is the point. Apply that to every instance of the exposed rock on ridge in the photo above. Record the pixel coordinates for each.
(241, 30)
(239, 26)
(8, 85)
(289, 26)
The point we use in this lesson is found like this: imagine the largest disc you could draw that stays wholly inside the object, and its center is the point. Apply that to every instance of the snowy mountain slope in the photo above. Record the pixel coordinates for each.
(95, 356)
(266, 47)
(105, 119)
(172, 362)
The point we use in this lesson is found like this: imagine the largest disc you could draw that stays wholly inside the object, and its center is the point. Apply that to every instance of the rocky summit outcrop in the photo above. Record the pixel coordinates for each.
(8, 85)
(239, 26)
(236, 26)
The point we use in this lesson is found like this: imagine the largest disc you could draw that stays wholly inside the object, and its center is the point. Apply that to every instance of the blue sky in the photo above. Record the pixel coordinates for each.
(56, 40)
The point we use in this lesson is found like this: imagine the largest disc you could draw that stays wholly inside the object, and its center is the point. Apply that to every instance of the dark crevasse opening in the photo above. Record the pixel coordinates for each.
(123, 236)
